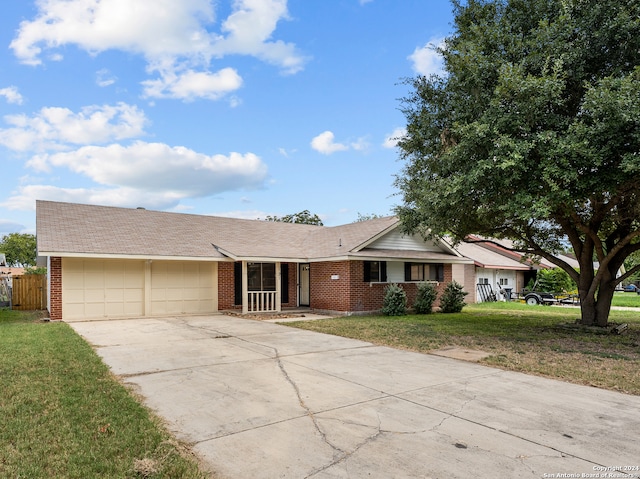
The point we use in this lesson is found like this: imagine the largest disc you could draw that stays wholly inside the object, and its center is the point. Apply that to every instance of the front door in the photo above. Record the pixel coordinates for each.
(304, 284)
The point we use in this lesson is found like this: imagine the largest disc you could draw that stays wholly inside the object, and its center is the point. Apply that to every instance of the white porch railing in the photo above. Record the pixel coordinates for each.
(262, 301)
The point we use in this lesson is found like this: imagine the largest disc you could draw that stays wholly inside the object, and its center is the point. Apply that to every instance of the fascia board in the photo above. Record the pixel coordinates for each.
(63, 254)
(456, 260)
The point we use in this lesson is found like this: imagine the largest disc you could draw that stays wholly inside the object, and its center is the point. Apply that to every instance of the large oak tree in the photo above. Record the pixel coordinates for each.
(532, 133)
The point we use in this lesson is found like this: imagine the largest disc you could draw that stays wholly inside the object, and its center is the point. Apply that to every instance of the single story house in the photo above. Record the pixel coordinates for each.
(108, 262)
(499, 268)
(495, 271)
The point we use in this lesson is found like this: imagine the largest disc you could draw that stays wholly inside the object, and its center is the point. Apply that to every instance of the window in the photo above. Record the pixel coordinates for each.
(416, 271)
(504, 281)
(261, 276)
(436, 272)
(423, 272)
(375, 271)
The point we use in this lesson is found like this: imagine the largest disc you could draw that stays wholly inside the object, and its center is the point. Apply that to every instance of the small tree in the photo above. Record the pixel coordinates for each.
(395, 301)
(425, 298)
(452, 299)
(20, 249)
(303, 217)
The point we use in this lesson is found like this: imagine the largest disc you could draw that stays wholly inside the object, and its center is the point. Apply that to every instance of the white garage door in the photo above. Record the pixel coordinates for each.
(102, 288)
(179, 287)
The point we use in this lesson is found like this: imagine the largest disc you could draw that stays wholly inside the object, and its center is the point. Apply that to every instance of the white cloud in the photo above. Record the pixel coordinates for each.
(392, 140)
(249, 29)
(324, 143)
(175, 38)
(190, 84)
(426, 60)
(56, 128)
(11, 94)
(157, 168)
(26, 196)
(105, 78)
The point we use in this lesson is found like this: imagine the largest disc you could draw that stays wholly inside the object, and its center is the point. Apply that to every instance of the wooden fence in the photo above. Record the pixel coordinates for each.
(29, 292)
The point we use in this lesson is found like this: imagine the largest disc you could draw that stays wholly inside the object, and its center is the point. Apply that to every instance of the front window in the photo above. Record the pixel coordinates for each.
(261, 276)
(423, 272)
(375, 271)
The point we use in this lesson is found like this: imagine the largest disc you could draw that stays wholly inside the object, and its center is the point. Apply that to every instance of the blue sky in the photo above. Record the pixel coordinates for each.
(242, 108)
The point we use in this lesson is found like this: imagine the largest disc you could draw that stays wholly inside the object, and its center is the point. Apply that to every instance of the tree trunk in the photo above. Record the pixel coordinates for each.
(595, 312)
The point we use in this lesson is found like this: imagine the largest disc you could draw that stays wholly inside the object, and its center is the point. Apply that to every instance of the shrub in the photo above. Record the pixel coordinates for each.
(395, 301)
(556, 281)
(452, 299)
(425, 298)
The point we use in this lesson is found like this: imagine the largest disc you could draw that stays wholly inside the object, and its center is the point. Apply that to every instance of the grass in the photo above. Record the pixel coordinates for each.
(63, 415)
(626, 299)
(518, 337)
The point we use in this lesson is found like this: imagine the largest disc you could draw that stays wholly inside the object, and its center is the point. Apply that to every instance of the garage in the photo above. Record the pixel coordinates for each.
(183, 287)
(95, 288)
(109, 288)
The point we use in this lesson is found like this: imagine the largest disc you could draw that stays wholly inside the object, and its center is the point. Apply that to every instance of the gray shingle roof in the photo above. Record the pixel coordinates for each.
(76, 229)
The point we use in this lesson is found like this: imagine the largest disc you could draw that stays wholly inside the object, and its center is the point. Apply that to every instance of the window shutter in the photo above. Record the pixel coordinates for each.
(284, 283)
(237, 283)
(367, 271)
(383, 271)
(440, 269)
(407, 271)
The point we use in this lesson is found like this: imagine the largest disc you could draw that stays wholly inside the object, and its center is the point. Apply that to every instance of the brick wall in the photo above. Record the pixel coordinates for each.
(225, 286)
(349, 293)
(55, 289)
(330, 294)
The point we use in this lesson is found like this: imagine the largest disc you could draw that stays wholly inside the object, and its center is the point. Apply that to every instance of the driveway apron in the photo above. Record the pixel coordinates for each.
(261, 400)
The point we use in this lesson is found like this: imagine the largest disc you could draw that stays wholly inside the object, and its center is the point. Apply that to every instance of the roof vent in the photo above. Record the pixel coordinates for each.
(140, 208)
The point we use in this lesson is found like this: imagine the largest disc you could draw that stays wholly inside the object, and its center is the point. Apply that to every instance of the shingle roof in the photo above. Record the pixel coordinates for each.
(486, 258)
(76, 229)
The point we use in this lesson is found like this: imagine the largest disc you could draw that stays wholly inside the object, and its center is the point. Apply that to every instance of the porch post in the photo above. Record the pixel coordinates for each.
(278, 287)
(245, 289)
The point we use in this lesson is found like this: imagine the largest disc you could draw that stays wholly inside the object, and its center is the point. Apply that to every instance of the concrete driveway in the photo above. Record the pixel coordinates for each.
(261, 400)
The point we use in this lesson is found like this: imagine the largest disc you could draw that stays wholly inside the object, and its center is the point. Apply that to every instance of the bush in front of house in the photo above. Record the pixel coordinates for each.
(452, 299)
(395, 301)
(425, 297)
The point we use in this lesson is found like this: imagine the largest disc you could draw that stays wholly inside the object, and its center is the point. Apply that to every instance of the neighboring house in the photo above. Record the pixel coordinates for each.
(8, 272)
(106, 262)
(498, 268)
(495, 271)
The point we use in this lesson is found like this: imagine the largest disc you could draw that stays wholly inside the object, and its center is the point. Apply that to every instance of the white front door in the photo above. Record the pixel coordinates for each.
(304, 284)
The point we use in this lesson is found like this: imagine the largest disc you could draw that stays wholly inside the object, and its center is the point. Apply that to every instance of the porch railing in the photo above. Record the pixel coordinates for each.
(262, 301)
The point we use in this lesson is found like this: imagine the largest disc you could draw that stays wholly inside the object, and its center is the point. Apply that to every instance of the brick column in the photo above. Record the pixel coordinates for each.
(55, 288)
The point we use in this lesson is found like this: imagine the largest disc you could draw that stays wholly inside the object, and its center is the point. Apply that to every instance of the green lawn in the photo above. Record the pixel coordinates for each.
(519, 337)
(626, 299)
(63, 415)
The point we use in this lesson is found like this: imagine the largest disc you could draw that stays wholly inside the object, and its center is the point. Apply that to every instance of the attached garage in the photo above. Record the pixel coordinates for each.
(96, 288)
(183, 287)
(110, 288)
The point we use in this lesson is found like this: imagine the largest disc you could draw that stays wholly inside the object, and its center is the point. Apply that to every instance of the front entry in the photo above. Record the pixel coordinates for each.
(304, 284)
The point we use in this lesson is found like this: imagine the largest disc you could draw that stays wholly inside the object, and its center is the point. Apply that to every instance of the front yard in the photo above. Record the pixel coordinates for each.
(63, 415)
(521, 338)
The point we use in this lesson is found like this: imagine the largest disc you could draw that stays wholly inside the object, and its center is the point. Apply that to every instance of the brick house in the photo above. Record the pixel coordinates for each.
(106, 262)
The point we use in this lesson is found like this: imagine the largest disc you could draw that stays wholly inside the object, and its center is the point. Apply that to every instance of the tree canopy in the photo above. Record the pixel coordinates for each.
(19, 249)
(532, 133)
(303, 217)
